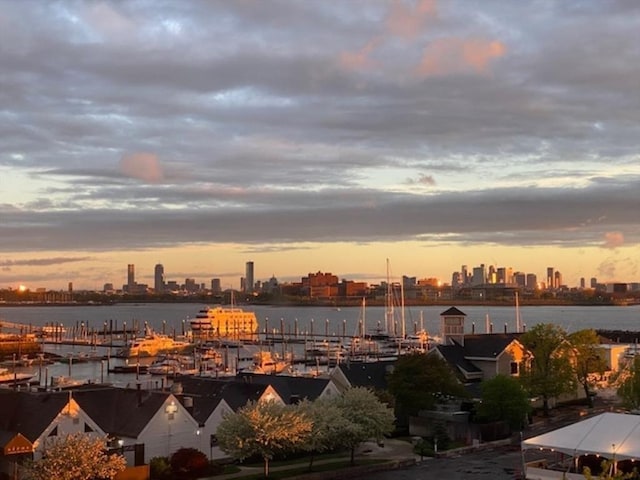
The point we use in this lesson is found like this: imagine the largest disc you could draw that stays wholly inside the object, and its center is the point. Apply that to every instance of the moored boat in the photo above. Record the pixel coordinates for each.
(225, 324)
(153, 344)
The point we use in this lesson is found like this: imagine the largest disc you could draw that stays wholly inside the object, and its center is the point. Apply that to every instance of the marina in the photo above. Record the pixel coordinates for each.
(310, 338)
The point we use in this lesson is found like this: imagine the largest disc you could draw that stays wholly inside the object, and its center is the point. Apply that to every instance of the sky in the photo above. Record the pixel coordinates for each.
(314, 136)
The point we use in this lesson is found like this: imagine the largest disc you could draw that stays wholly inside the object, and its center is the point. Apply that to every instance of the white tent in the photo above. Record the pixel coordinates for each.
(607, 435)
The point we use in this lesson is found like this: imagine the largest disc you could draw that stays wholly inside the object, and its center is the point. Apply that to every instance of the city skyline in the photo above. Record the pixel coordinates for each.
(317, 135)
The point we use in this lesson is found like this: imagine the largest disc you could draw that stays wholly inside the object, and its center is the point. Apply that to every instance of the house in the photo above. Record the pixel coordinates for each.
(29, 419)
(144, 424)
(208, 400)
(292, 389)
(477, 357)
(372, 375)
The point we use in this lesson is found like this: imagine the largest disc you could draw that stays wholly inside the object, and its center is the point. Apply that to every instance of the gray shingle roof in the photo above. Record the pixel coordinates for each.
(30, 413)
(368, 374)
(487, 345)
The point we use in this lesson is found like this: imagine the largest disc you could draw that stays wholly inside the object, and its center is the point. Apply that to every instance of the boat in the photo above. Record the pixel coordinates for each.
(229, 325)
(172, 365)
(14, 378)
(269, 364)
(153, 344)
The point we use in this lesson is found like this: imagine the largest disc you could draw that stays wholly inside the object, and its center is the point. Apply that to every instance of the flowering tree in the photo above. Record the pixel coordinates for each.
(264, 429)
(367, 417)
(329, 425)
(77, 456)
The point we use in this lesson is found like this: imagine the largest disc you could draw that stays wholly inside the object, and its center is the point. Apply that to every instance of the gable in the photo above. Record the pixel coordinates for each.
(16, 445)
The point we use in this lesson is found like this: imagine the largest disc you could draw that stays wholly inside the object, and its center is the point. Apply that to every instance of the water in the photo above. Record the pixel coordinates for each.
(346, 321)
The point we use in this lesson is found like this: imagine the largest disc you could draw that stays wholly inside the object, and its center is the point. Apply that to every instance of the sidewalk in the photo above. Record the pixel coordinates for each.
(393, 450)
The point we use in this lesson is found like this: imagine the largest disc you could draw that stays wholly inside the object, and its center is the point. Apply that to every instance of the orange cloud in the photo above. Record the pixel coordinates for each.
(454, 55)
(613, 239)
(407, 21)
(360, 60)
(142, 166)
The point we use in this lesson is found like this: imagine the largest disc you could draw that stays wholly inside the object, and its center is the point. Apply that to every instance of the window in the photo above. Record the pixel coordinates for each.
(54, 432)
(87, 428)
(515, 370)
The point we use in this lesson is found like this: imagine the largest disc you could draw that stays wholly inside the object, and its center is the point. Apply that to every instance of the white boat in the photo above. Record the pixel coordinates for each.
(173, 365)
(153, 344)
(225, 324)
(265, 362)
(11, 378)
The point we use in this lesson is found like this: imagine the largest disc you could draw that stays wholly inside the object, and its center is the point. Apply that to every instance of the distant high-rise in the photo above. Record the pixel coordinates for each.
(248, 278)
(158, 284)
(216, 286)
(550, 278)
(557, 280)
(131, 276)
(583, 283)
(479, 275)
(532, 281)
(593, 283)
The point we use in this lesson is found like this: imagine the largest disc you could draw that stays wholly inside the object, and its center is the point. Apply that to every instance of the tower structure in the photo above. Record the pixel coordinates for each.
(248, 278)
(158, 276)
(452, 326)
(131, 277)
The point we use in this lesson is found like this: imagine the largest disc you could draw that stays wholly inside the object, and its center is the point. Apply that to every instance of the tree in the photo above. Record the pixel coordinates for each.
(189, 463)
(77, 456)
(329, 424)
(366, 417)
(418, 380)
(264, 429)
(586, 360)
(504, 398)
(550, 372)
(629, 390)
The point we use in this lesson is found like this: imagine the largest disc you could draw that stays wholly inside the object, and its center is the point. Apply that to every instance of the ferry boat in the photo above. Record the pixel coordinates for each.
(153, 344)
(225, 324)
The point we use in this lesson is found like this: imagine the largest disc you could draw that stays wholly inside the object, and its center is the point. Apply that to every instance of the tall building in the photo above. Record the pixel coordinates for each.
(479, 275)
(248, 278)
(131, 277)
(532, 281)
(216, 286)
(158, 284)
(557, 280)
(583, 283)
(550, 278)
(464, 274)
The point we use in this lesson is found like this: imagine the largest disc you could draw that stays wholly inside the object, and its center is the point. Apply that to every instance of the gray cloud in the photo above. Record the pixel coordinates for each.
(151, 119)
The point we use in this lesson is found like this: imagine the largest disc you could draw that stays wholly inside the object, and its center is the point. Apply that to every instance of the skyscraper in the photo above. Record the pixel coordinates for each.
(550, 278)
(248, 278)
(131, 277)
(158, 284)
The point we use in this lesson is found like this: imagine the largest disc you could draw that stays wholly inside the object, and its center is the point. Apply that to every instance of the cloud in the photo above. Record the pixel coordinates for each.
(423, 179)
(454, 55)
(142, 166)
(41, 262)
(405, 20)
(613, 239)
(360, 60)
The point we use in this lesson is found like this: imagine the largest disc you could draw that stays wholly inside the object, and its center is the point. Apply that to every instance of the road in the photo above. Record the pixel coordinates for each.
(500, 463)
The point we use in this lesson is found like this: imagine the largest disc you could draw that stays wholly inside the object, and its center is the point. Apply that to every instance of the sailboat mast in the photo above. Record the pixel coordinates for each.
(404, 326)
(389, 304)
(517, 314)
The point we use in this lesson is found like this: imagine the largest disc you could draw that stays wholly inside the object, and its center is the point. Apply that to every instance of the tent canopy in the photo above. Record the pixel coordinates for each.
(607, 435)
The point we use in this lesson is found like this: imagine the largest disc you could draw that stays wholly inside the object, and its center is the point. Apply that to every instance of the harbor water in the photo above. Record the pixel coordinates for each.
(277, 320)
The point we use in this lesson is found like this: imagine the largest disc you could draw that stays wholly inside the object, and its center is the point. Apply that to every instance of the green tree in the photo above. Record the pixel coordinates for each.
(504, 398)
(607, 472)
(77, 456)
(587, 359)
(550, 372)
(366, 417)
(418, 380)
(629, 390)
(265, 429)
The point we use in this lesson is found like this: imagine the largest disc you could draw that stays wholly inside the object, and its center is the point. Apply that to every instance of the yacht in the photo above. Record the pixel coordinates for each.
(11, 378)
(153, 344)
(270, 364)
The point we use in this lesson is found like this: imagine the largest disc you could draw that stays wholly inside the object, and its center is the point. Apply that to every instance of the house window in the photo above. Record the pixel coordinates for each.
(515, 368)
(54, 432)
(87, 428)
(76, 421)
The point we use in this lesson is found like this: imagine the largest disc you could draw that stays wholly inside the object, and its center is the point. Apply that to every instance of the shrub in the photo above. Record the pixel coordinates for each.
(189, 463)
(159, 468)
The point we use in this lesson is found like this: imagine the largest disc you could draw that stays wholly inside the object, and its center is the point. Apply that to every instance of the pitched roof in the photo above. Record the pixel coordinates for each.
(120, 411)
(451, 312)
(487, 345)
(289, 388)
(368, 374)
(30, 413)
(207, 393)
(454, 355)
